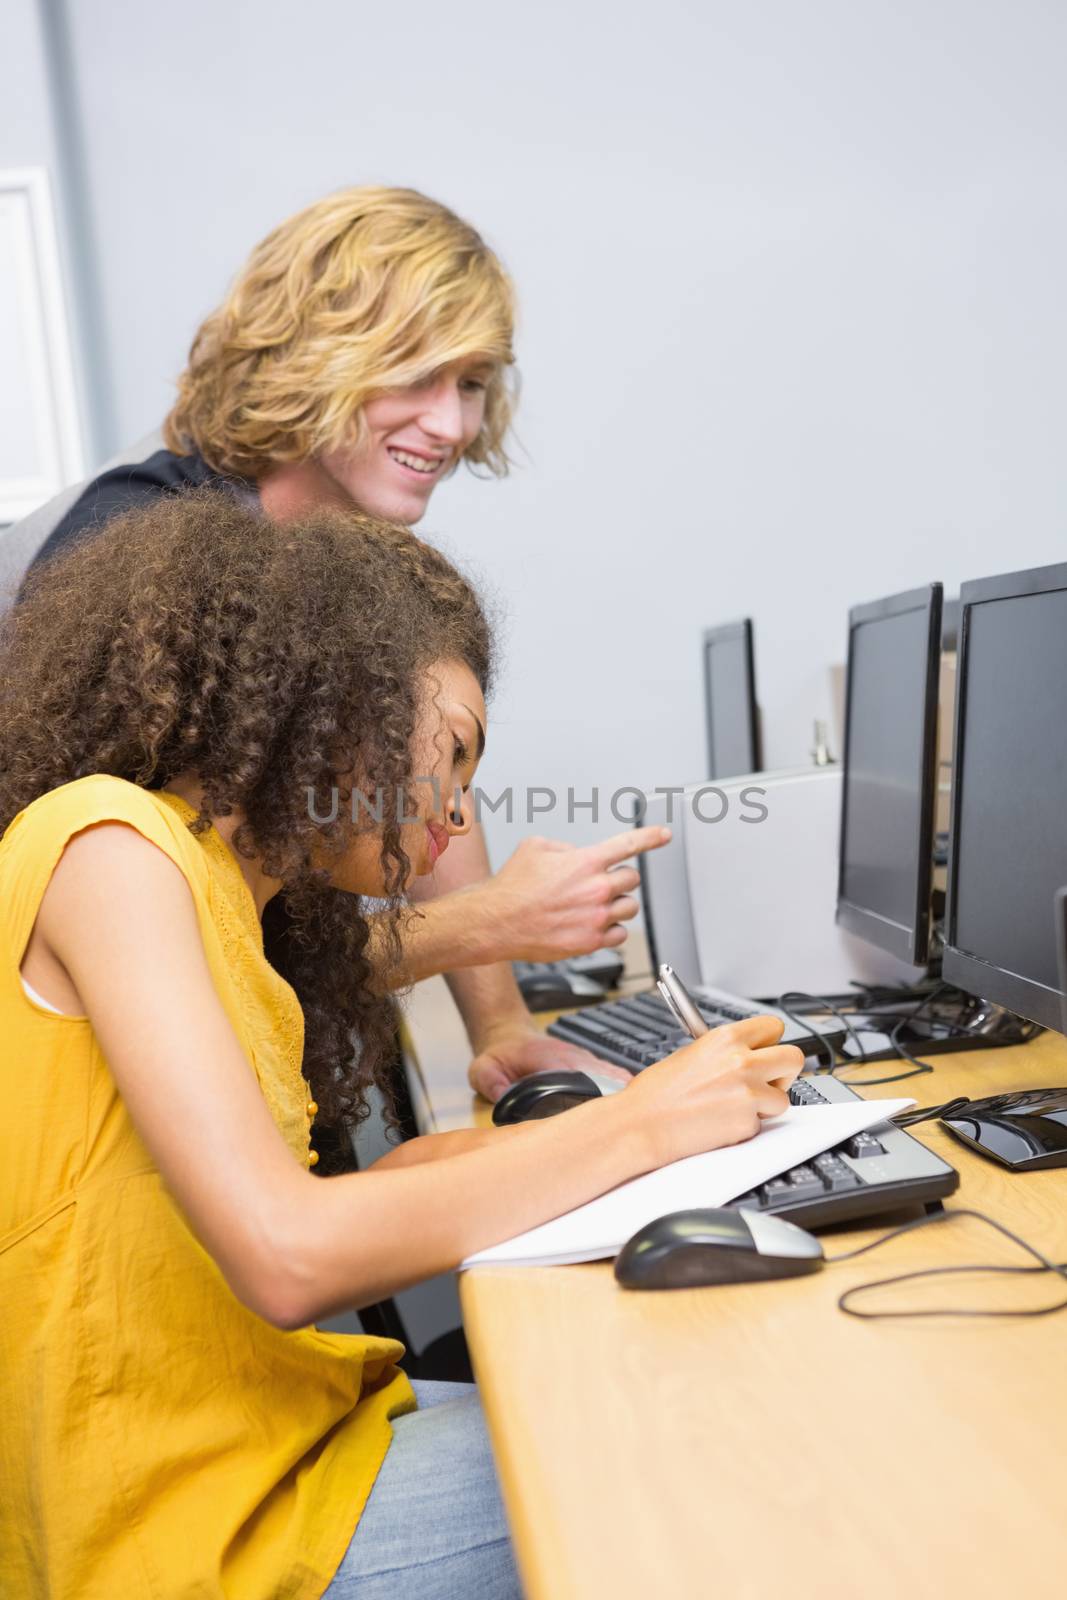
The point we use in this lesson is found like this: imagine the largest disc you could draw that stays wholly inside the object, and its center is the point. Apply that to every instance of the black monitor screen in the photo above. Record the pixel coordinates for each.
(1009, 848)
(730, 701)
(887, 806)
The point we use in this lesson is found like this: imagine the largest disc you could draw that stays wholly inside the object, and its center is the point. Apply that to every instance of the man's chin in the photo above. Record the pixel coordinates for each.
(411, 511)
(393, 507)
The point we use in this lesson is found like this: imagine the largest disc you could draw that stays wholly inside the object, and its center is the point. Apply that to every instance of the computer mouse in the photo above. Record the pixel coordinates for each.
(603, 966)
(1025, 1130)
(554, 990)
(689, 1249)
(543, 1094)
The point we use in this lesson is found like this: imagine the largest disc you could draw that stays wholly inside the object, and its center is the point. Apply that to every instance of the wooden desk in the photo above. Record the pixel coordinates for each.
(752, 1441)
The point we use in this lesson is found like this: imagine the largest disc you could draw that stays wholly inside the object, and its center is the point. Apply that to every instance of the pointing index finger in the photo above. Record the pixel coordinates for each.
(634, 842)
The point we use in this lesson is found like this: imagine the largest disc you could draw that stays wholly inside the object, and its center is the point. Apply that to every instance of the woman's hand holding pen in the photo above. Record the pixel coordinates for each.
(716, 1090)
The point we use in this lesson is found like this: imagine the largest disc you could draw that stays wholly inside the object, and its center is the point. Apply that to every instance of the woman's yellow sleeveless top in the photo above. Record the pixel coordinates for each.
(157, 1439)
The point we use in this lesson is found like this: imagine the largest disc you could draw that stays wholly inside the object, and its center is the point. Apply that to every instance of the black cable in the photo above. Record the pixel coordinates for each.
(821, 1043)
(1045, 1265)
(954, 1027)
(854, 1034)
(907, 1119)
(926, 1221)
(918, 1068)
(867, 998)
(1017, 1032)
(821, 1003)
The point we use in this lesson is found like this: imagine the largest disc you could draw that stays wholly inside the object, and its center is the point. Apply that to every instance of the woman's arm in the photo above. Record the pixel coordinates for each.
(120, 918)
(435, 1146)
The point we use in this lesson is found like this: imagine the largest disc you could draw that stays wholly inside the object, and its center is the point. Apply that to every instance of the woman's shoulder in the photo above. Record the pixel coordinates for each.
(97, 791)
(53, 818)
(37, 838)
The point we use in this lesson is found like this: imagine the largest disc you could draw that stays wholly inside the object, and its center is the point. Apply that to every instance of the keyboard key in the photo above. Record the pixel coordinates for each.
(717, 1014)
(635, 1014)
(803, 1093)
(775, 1191)
(654, 1005)
(589, 1027)
(835, 1174)
(625, 1025)
(629, 1047)
(864, 1144)
(805, 1183)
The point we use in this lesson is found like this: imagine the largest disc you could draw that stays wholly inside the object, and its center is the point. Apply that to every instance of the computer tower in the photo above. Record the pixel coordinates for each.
(665, 899)
(744, 897)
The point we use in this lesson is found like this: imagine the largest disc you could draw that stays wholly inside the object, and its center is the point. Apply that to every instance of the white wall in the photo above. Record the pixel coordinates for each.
(27, 133)
(792, 280)
(27, 140)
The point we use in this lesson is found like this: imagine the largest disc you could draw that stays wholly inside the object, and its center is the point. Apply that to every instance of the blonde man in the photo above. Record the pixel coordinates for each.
(363, 352)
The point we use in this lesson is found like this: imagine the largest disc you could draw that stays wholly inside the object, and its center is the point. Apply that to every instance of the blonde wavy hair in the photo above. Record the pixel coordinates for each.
(367, 290)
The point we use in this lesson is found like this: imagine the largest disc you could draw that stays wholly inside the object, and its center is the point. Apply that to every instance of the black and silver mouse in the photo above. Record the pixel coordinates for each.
(543, 1094)
(689, 1249)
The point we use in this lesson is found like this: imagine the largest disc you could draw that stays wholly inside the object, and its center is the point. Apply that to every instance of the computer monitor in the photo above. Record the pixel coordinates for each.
(1008, 846)
(950, 625)
(890, 777)
(730, 700)
(1061, 935)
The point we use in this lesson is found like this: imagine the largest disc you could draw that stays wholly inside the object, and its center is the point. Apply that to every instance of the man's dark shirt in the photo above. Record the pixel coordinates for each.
(122, 488)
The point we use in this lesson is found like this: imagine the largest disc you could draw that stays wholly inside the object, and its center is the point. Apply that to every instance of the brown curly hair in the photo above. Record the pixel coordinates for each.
(194, 635)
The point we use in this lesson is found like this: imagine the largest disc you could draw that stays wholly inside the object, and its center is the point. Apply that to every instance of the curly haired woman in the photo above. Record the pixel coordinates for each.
(362, 354)
(198, 712)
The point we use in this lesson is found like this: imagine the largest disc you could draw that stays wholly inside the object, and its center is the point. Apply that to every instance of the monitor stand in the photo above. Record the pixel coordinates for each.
(955, 1021)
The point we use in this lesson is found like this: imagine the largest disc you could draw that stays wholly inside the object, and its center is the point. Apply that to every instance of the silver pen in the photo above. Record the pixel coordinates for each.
(681, 1002)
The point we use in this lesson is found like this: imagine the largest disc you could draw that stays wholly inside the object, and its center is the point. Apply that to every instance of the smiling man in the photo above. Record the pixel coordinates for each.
(363, 353)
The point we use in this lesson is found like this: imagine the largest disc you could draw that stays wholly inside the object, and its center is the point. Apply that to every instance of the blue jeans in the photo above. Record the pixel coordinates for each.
(433, 1527)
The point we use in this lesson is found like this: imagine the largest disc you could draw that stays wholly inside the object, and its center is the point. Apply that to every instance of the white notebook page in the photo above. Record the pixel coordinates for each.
(602, 1226)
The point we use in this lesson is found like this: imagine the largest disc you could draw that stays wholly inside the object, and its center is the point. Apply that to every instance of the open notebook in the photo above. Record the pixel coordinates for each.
(602, 1226)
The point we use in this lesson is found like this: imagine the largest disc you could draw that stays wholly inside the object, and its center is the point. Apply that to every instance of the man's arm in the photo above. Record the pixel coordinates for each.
(505, 1040)
(549, 900)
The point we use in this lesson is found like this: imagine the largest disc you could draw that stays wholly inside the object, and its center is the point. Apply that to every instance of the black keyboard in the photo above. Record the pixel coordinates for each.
(879, 1170)
(882, 1169)
(641, 1029)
